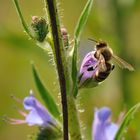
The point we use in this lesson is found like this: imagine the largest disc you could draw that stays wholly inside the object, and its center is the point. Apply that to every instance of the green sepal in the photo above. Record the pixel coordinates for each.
(49, 133)
(89, 83)
(46, 96)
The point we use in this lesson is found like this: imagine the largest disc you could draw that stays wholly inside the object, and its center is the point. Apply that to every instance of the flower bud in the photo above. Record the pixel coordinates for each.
(65, 36)
(40, 28)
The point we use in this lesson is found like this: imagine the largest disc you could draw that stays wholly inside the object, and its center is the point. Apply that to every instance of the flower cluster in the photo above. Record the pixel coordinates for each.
(49, 34)
(102, 128)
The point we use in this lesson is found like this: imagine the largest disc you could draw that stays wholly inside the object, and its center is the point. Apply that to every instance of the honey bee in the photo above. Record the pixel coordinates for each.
(104, 54)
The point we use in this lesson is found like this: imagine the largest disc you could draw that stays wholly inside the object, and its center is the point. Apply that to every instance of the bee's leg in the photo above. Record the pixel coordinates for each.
(112, 67)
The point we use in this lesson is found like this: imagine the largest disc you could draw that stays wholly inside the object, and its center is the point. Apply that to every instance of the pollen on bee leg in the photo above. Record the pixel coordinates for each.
(97, 73)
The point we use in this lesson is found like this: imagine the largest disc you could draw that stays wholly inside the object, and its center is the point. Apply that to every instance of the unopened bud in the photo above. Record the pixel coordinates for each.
(40, 28)
(65, 37)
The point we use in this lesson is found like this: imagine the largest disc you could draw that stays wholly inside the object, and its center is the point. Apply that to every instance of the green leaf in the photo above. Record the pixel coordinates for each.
(83, 19)
(24, 24)
(74, 71)
(46, 96)
(78, 30)
(127, 119)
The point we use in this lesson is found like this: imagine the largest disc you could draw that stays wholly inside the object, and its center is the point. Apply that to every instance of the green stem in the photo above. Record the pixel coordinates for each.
(74, 125)
(25, 26)
(60, 60)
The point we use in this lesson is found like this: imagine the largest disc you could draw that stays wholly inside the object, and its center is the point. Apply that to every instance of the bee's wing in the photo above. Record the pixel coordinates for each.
(122, 63)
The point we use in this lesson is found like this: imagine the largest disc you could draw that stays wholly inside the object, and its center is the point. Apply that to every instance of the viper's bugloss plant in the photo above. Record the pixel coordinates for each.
(49, 33)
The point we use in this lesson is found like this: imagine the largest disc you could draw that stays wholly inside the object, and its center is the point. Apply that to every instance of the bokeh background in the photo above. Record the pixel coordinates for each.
(116, 21)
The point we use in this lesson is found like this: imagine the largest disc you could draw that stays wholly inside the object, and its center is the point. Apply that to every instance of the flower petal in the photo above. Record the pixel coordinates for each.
(38, 113)
(89, 68)
(111, 131)
(33, 118)
(103, 114)
(29, 102)
(102, 127)
(88, 60)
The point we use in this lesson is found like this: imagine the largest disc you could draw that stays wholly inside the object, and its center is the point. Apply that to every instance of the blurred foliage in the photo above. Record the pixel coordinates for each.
(116, 21)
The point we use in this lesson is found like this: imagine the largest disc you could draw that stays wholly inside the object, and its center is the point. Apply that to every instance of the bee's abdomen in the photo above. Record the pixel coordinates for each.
(103, 75)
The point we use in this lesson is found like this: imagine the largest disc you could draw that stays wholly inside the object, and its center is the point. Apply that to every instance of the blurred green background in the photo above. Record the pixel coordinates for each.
(116, 21)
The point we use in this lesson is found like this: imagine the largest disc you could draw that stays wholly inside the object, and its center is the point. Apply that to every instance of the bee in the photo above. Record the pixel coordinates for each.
(104, 54)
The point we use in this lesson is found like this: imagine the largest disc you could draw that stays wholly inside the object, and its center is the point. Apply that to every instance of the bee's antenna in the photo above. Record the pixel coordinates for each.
(93, 40)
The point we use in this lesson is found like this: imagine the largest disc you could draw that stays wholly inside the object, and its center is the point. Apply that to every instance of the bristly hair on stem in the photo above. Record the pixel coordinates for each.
(60, 60)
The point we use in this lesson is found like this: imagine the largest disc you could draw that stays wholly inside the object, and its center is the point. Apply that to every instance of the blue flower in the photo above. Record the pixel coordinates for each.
(37, 113)
(103, 128)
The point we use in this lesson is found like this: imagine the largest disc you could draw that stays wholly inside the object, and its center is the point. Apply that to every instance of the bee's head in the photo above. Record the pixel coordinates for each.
(101, 44)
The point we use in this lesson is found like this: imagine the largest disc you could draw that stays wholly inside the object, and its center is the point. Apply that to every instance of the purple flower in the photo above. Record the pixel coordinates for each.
(89, 68)
(37, 115)
(103, 128)
(94, 70)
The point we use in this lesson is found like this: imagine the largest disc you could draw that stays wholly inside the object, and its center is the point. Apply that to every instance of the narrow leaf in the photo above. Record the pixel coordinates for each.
(127, 119)
(78, 30)
(83, 19)
(49, 101)
(24, 24)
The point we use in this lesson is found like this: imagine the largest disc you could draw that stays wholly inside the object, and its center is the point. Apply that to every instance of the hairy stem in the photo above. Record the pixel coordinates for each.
(74, 125)
(59, 55)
